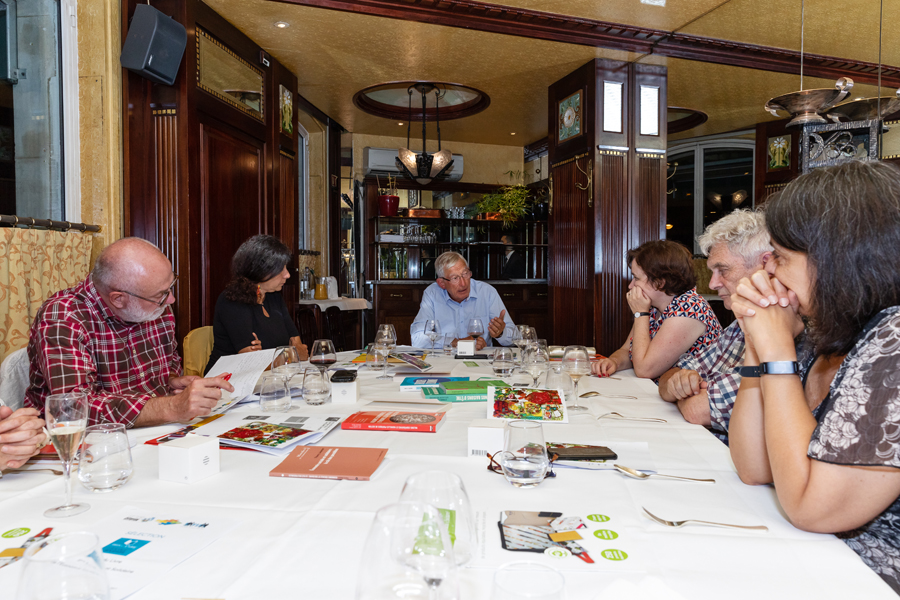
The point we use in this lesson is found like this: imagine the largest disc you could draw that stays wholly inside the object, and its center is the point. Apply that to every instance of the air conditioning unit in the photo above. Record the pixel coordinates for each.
(380, 161)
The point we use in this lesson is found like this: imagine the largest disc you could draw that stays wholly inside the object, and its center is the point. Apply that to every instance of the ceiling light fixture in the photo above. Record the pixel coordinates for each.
(512, 133)
(424, 167)
(282, 24)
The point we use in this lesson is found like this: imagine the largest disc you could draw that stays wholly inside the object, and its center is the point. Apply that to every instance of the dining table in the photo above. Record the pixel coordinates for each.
(305, 538)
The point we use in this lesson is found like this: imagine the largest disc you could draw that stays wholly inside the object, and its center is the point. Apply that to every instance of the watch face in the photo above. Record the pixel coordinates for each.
(570, 117)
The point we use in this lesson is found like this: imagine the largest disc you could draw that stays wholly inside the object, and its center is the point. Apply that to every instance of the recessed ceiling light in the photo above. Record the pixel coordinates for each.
(654, 2)
(512, 133)
(669, 226)
(399, 123)
(282, 24)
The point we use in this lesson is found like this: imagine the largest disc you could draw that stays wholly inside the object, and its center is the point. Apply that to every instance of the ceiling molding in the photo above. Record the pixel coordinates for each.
(482, 16)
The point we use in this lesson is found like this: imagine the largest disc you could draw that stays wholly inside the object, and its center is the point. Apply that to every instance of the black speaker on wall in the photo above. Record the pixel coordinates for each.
(154, 46)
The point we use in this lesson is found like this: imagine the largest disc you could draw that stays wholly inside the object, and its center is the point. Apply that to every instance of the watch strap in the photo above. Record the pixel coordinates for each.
(775, 367)
(638, 315)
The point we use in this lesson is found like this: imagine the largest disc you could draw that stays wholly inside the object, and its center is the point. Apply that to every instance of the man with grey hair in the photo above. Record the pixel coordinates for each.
(454, 299)
(112, 336)
(705, 387)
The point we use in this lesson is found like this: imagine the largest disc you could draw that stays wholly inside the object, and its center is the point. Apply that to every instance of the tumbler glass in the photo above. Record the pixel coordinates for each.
(105, 463)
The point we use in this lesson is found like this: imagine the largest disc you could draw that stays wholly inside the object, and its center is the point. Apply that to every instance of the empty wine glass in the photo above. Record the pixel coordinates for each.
(525, 335)
(475, 328)
(408, 555)
(64, 567)
(432, 331)
(576, 363)
(382, 350)
(559, 380)
(274, 395)
(536, 361)
(387, 333)
(322, 354)
(286, 362)
(66, 421)
(446, 492)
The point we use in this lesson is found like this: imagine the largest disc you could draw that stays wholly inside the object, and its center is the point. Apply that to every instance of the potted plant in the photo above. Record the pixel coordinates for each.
(509, 203)
(388, 198)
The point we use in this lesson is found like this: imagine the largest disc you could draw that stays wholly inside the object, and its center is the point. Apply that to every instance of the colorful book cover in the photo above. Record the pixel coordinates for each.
(526, 404)
(259, 433)
(394, 420)
(434, 393)
(414, 384)
(330, 462)
(413, 361)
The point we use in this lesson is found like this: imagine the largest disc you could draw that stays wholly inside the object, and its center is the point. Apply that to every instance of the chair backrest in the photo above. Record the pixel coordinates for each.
(198, 345)
(14, 378)
(307, 323)
(335, 325)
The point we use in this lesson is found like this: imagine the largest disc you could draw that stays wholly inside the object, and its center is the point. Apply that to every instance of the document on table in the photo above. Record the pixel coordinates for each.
(245, 370)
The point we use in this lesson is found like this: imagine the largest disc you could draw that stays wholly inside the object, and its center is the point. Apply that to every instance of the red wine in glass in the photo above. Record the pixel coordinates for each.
(322, 362)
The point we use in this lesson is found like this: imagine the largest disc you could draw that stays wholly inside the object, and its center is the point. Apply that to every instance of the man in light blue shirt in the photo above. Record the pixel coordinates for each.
(455, 298)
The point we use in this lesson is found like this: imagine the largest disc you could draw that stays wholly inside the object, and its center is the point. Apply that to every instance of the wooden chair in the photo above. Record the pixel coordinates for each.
(334, 325)
(198, 345)
(308, 323)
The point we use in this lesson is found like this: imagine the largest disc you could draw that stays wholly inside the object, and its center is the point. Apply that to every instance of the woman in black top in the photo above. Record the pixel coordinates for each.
(251, 313)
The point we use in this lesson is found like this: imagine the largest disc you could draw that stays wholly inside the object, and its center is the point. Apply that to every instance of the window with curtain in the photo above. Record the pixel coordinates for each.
(31, 148)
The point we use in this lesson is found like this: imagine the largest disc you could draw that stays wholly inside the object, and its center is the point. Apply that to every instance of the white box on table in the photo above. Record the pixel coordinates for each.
(345, 393)
(188, 459)
(485, 437)
(465, 347)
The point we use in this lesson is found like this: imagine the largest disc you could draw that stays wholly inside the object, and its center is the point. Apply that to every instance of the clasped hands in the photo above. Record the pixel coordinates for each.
(21, 436)
(769, 315)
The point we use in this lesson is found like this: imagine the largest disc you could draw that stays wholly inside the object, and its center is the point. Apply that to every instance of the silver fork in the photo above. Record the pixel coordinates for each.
(686, 521)
(615, 415)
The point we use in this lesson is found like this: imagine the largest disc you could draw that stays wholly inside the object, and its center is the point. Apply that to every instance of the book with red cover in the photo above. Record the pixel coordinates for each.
(330, 462)
(394, 420)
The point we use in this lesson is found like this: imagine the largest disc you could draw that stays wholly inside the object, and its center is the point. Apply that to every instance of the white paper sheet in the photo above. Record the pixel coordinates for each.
(245, 370)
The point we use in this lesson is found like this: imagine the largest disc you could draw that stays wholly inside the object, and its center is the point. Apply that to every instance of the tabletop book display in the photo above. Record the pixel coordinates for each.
(330, 462)
(394, 420)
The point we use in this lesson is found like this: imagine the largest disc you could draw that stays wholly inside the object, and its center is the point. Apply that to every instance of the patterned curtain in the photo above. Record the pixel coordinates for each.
(34, 265)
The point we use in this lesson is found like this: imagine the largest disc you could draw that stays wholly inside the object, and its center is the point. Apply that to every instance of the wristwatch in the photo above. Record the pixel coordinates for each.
(638, 315)
(777, 367)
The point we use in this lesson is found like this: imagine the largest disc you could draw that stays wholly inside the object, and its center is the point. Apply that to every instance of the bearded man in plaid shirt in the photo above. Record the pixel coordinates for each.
(705, 387)
(113, 337)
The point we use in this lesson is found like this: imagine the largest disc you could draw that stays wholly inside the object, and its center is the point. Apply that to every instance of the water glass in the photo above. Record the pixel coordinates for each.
(408, 556)
(504, 362)
(524, 459)
(448, 345)
(557, 379)
(105, 463)
(316, 388)
(274, 395)
(64, 567)
(446, 492)
(528, 580)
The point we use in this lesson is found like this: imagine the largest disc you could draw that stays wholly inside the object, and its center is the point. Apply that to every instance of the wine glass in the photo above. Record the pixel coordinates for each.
(382, 351)
(66, 421)
(576, 363)
(286, 362)
(66, 567)
(528, 579)
(475, 328)
(446, 492)
(536, 361)
(525, 335)
(557, 379)
(322, 354)
(432, 331)
(387, 332)
(408, 555)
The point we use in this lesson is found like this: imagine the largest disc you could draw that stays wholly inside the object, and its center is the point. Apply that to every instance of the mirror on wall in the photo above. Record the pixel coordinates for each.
(228, 77)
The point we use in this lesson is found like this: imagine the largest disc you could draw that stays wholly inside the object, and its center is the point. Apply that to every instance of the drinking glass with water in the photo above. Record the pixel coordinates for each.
(105, 463)
(524, 459)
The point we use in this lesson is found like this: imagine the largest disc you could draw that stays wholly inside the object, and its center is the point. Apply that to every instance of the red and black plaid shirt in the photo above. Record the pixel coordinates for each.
(77, 343)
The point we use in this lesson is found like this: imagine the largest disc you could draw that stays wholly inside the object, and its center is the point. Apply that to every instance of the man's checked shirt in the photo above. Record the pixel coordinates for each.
(77, 343)
(716, 365)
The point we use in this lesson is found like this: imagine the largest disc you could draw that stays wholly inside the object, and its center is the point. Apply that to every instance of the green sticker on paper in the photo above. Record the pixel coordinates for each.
(614, 555)
(606, 534)
(598, 518)
(470, 363)
(557, 552)
(18, 532)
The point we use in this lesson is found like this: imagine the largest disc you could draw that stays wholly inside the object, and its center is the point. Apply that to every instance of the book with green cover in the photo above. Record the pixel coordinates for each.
(468, 388)
(435, 393)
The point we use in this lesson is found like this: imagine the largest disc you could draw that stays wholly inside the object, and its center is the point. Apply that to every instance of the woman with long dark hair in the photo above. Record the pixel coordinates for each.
(823, 423)
(670, 317)
(251, 313)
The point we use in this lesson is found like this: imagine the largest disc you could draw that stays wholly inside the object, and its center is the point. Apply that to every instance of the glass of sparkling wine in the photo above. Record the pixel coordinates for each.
(576, 363)
(66, 421)
(524, 459)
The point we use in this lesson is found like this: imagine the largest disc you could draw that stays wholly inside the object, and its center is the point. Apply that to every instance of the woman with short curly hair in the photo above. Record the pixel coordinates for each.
(251, 313)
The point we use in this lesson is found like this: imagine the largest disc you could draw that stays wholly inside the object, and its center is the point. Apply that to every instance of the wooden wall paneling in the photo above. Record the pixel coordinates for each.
(333, 260)
(233, 197)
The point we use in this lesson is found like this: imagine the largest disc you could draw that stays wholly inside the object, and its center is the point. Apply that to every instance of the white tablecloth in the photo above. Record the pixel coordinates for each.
(341, 303)
(303, 538)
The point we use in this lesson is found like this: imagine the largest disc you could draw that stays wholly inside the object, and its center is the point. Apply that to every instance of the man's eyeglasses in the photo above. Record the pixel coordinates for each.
(457, 278)
(494, 466)
(159, 303)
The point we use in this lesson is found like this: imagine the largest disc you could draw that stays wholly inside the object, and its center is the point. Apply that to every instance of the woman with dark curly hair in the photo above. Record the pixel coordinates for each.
(670, 317)
(251, 313)
(832, 447)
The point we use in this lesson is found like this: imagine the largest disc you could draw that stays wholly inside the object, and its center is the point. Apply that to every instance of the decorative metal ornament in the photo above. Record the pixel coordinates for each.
(864, 109)
(827, 145)
(804, 106)
(424, 167)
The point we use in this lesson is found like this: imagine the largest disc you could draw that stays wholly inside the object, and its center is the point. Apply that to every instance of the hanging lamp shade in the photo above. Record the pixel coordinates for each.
(423, 167)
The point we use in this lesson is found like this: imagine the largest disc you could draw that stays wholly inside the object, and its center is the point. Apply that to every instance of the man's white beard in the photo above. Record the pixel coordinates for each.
(136, 315)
